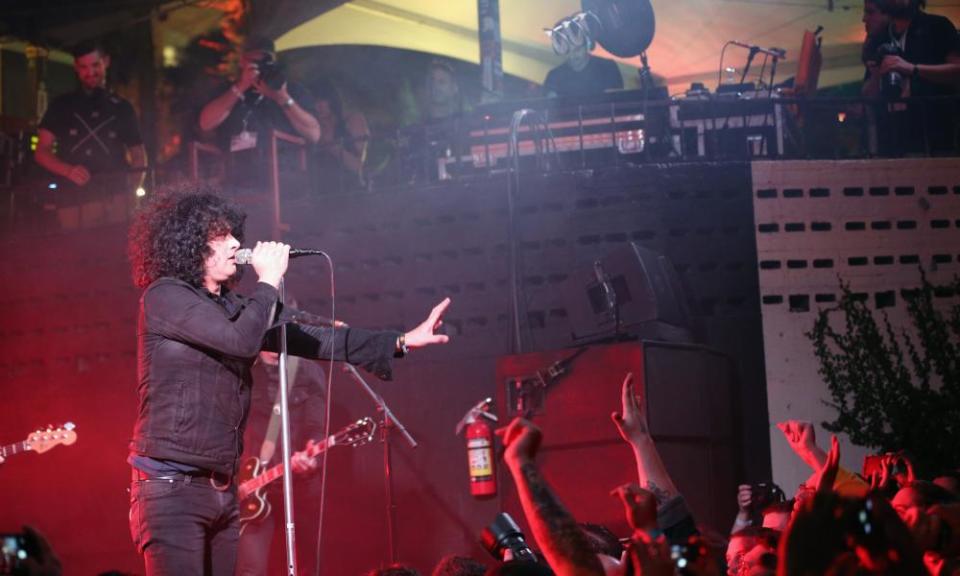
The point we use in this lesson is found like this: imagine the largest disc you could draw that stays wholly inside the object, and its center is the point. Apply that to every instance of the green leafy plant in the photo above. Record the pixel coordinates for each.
(895, 388)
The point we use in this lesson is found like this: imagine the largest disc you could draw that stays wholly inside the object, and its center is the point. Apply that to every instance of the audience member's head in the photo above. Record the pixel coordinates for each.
(913, 503)
(834, 535)
(752, 546)
(949, 482)
(90, 62)
(443, 98)
(328, 108)
(901, 9)
(519, 568)
(394, 570)
(875, 22)
(453, 565)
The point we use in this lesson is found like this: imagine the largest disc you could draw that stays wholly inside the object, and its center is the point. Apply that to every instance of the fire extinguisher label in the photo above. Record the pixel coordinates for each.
(479, 457)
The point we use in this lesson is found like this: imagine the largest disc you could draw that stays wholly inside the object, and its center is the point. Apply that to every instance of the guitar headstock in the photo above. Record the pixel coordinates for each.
(43, 440)
(356, 434)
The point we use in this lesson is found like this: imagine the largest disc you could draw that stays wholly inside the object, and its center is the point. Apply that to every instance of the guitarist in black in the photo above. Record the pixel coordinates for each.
(260, 537)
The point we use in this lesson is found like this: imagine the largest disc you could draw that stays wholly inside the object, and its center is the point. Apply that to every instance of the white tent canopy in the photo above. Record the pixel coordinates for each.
(686, 48)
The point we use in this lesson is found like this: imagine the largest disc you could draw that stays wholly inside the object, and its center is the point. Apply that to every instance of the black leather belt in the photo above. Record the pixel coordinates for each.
(218, 480)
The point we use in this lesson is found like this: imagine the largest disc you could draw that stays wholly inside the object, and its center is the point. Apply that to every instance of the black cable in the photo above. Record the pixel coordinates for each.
(327, 409)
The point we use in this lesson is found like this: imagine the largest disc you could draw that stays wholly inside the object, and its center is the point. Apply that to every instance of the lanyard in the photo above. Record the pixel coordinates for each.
(250, 108)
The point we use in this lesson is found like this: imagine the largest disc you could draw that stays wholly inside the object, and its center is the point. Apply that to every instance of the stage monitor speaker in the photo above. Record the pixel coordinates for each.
(691, 410)
(647, 290)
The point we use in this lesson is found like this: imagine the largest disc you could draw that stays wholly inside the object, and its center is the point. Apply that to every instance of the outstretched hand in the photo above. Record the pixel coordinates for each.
(425, 334)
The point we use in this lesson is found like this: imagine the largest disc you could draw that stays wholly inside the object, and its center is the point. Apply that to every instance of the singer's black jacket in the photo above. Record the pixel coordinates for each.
(194, 359)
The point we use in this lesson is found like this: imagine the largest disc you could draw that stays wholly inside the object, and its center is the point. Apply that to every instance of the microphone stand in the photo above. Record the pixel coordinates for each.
(388, 422)
(773, 74)
(746, 69)
(285, 435)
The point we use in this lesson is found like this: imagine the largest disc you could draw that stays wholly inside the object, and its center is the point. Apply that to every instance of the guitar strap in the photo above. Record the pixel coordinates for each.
(269, 446)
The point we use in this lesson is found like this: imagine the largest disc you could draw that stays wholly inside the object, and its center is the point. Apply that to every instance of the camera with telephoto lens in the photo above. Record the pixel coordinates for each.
(503, 535)
(891, 85)
(271, 71)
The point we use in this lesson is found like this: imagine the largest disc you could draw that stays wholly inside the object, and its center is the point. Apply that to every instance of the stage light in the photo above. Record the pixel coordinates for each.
(141, 192)
(52, 186)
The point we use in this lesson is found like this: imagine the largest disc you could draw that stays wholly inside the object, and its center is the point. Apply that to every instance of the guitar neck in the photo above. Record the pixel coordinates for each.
(15, 448)
(276, 471)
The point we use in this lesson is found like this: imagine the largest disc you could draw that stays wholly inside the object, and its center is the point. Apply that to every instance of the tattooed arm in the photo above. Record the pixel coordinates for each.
(554, 528)
(632, 424)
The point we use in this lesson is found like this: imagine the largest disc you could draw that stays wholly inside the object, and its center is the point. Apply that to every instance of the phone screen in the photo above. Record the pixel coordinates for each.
(13, 551)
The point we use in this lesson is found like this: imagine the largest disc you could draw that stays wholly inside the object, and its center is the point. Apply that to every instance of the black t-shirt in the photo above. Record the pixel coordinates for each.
(93, 129)
(258, 114)
(930, 40)
(599, 75)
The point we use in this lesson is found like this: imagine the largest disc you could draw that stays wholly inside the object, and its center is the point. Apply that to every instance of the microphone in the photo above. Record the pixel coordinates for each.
(775, 52)
(604, 282)
(245, 255)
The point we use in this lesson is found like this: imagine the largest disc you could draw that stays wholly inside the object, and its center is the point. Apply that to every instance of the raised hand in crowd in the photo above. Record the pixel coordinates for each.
(556, 532)
(893, 471)
(828, 474)
(639, 506)
(745, 503)
(802, 438)
(632, 424)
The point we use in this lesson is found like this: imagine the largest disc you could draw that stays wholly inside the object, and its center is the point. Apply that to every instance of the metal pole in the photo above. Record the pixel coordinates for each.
(285, 435)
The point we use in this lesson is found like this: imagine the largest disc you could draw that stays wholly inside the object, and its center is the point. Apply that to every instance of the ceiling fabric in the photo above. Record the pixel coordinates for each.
(686, 48)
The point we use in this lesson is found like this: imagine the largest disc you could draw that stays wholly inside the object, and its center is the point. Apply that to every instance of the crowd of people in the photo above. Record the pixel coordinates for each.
(92, 134)
(885, 520)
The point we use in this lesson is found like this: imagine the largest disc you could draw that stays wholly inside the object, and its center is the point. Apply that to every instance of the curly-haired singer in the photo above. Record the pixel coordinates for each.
(197, 340)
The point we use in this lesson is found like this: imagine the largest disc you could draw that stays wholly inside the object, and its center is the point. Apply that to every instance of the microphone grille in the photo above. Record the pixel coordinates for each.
(244, 256)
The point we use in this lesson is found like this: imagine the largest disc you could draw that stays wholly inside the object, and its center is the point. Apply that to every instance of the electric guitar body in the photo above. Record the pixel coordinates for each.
(254, 476)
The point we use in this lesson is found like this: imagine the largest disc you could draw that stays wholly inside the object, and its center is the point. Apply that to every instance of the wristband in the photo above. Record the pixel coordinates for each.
(236, 92)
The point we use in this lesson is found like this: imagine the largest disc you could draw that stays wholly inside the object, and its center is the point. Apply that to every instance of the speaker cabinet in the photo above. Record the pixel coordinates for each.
(689, 392)
(647, 290)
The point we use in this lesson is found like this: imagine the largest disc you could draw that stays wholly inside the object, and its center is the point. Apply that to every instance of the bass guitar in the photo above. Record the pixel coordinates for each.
(42, 440)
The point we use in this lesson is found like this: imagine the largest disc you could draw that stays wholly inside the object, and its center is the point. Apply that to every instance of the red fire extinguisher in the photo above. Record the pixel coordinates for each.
(480, 459)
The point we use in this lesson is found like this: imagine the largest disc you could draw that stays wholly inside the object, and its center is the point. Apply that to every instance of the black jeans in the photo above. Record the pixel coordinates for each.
(184, 527)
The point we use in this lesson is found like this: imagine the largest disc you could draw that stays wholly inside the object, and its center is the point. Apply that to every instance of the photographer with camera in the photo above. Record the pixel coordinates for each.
(917, 57)
(753, 503)
(262, 99)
